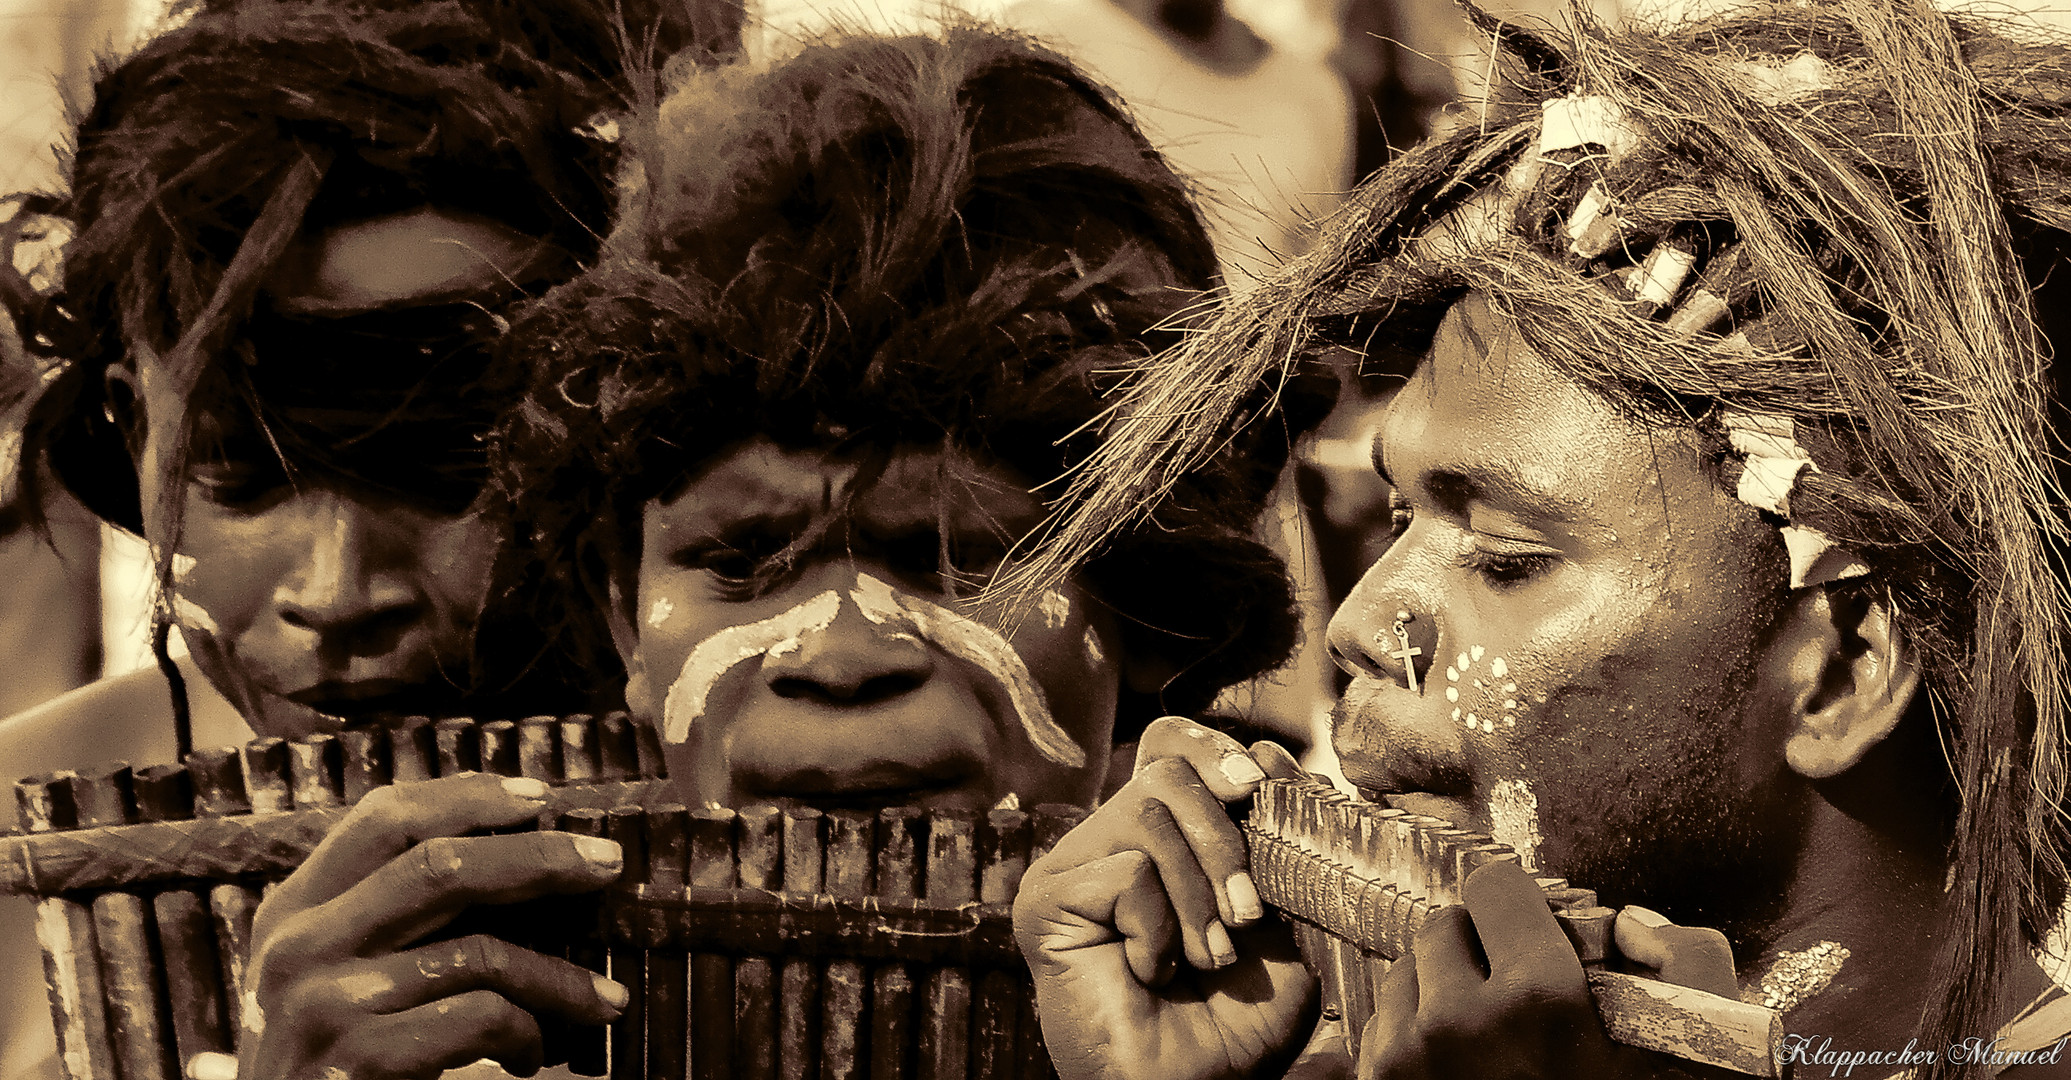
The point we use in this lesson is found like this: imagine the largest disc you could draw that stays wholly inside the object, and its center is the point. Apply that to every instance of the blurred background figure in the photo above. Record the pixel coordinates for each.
(51, 618)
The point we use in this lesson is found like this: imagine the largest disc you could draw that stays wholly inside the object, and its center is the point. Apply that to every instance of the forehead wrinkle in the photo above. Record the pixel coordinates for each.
(766, 483)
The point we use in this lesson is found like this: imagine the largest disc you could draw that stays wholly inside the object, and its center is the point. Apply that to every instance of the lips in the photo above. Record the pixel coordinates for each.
(865, 786)
(381, 701)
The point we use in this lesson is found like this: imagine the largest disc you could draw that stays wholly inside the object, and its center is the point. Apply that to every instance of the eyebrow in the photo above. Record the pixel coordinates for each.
(1498, 483)
(752, 501)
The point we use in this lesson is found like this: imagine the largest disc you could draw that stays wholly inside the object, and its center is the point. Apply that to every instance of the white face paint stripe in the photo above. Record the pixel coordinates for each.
(980, 646)
(1056, 608)
(661, 610)
(720, 653)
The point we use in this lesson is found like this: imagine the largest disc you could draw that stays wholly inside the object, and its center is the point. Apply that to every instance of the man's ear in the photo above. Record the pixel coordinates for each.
(625, 638)
(1849, 679)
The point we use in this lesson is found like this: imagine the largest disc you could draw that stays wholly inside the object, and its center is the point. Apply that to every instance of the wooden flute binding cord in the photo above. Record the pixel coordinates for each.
(763, 943)
(1358, 880)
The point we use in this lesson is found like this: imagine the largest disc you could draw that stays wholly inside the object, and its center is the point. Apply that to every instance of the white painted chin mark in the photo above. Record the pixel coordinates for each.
(1056, 608)
(980, 646)
(1009, 801)
(720, 653)
(660, 612)
(1514, 820)
(183, 565)
(1093, 652)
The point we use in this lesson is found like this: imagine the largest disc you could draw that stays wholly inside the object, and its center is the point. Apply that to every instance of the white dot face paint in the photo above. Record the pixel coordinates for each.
(661, 610)
(720, 653)
(1056, 608)
(1514, 820)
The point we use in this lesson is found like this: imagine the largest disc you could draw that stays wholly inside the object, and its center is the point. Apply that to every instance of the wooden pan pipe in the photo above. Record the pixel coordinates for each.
(1358, 880)
(781, 944)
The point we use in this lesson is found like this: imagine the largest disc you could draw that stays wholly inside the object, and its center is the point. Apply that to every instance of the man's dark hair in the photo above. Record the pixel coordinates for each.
(207, 153)
(330, 112)
(884, 242)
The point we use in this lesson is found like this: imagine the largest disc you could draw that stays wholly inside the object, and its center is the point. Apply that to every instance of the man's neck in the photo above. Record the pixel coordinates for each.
(1853, 952)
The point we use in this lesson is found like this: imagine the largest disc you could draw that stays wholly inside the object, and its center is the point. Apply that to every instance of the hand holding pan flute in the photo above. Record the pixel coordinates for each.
(340, 985)
(1159, 872)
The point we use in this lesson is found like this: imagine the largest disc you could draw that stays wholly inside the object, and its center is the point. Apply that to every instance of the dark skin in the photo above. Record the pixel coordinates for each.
(1648, 698)
(857, 706)
(864, 709)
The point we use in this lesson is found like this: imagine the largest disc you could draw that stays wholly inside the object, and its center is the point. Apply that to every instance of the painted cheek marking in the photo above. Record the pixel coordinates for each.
(720, 653)
(188, 613)
(1093, 652)
(193, 615)
(251, 1015)
(660, 612)
(1056, 608)
(980, 646)
(1514, 820)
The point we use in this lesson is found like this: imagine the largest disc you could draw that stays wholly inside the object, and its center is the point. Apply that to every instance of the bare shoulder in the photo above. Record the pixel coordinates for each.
(125, 718)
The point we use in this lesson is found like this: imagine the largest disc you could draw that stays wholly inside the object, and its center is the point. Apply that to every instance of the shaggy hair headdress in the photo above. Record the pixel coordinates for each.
(1823, 221)
(209, 152)
(882, 243)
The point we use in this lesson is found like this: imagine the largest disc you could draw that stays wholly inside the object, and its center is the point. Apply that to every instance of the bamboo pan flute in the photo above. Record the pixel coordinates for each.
(761, 943)
(1358, 880)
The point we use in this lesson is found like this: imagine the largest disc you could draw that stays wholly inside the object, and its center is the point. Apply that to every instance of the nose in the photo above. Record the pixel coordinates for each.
(853, 662)
(353, 590)
(1377, 634)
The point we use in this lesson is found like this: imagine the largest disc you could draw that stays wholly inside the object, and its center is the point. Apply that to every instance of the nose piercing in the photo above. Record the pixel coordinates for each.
(1404, 651)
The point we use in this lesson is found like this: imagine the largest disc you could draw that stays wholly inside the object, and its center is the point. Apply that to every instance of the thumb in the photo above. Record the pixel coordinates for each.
(1692, 956)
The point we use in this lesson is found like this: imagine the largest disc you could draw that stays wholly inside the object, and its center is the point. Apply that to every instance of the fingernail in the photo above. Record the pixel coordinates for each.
(611, 993)
(1244, 901)
(597, 850)
(525, 787)
(1240, 769)
(210, 1065)
(1647, 917)
(1219, 945)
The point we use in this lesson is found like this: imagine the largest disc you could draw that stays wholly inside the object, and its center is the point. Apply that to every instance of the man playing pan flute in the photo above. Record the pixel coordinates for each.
(294, 228)
(1729, 569)
(857, 308)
